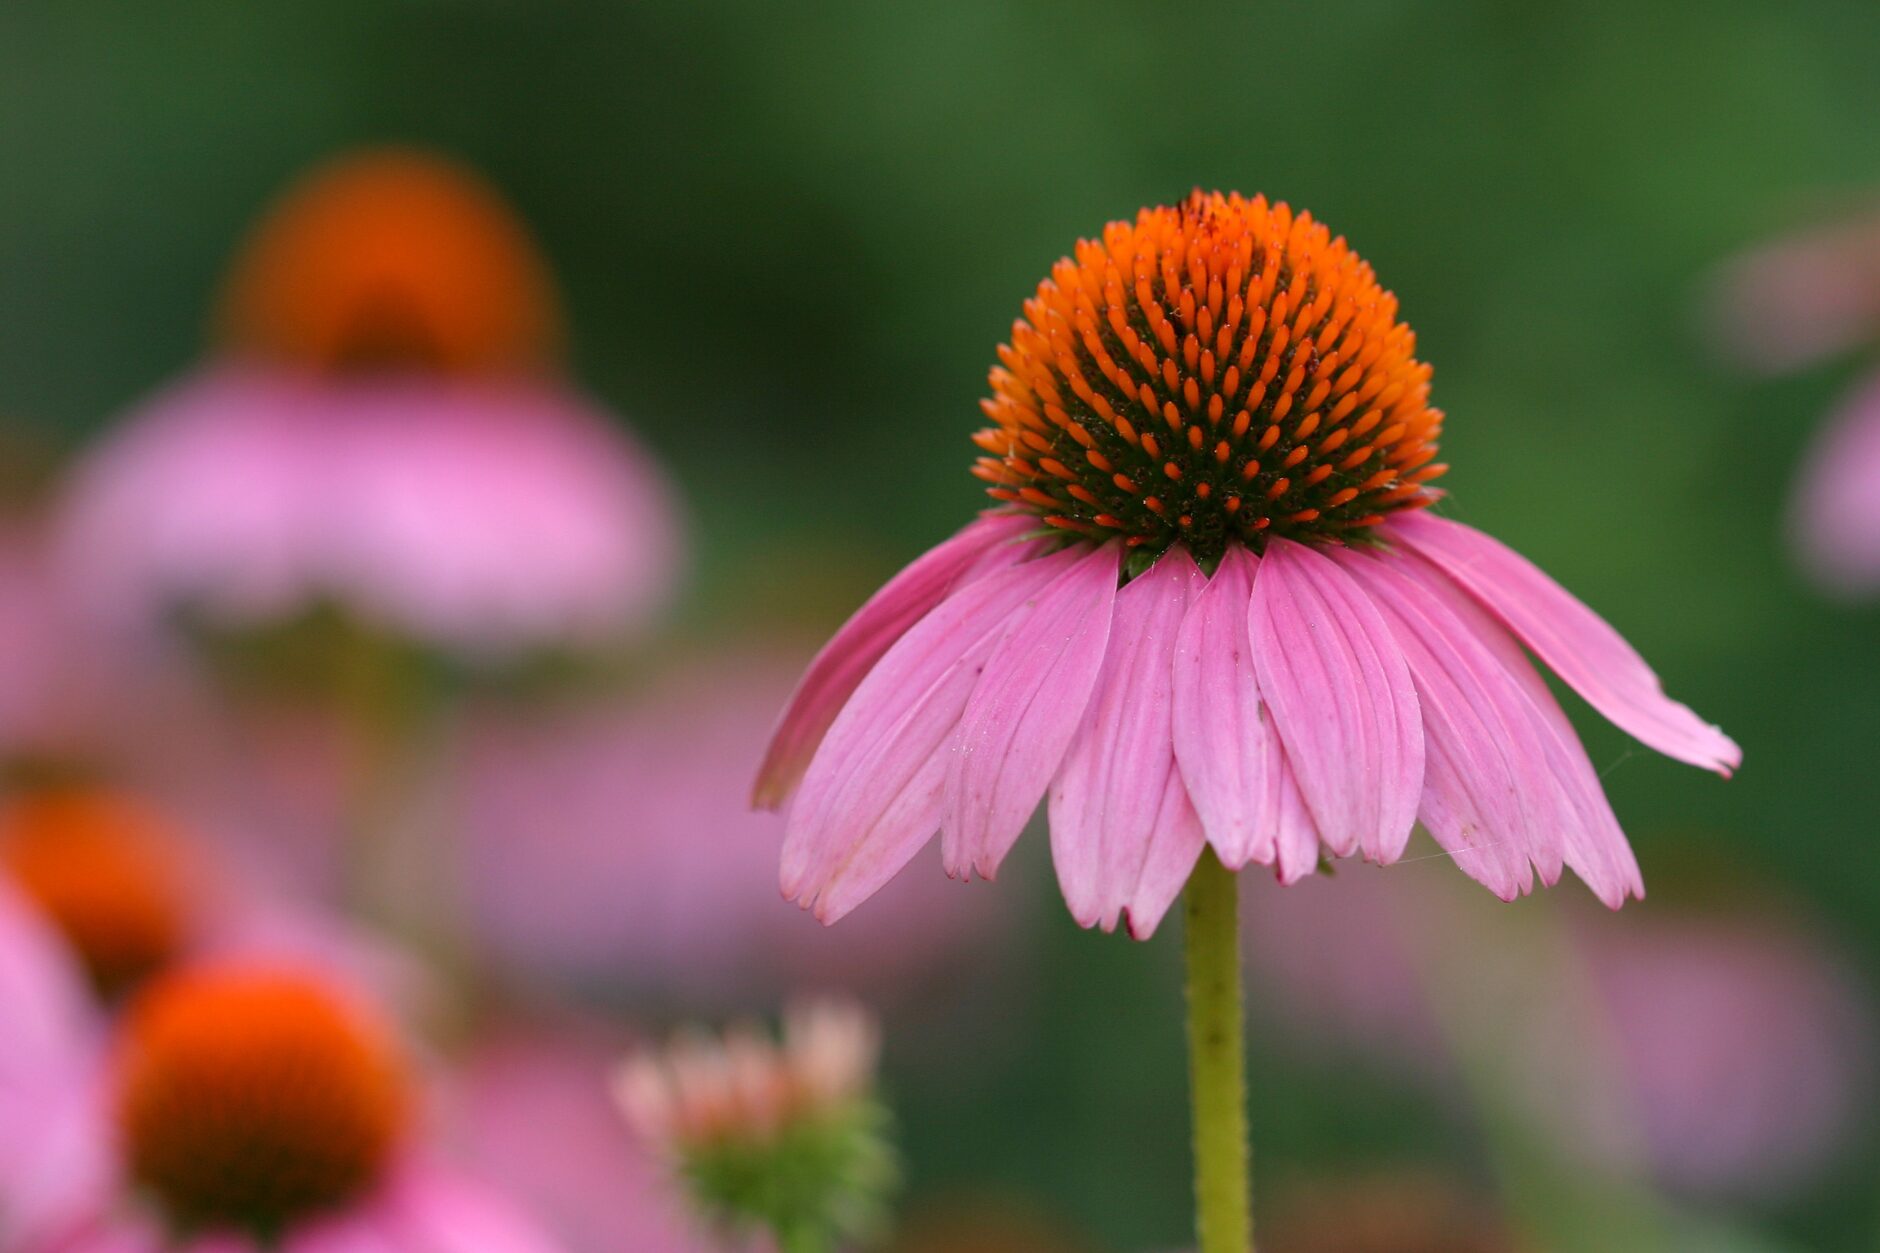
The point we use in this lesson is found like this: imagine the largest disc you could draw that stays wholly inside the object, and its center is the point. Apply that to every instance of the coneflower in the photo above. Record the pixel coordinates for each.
(1214, 622)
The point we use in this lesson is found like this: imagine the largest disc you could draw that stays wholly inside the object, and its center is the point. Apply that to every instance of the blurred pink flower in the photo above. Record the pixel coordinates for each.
(53, 1155)
(1836, 509)
(249, 1103)
(612, 848)
(1726, 1055)
(381, 427)
(98, 893)
(485, 515)
(529, 1106)
(1783, 305)
(1801, 297)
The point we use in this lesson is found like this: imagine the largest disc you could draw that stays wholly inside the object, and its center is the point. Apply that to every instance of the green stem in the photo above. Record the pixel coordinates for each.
(1217, 1060)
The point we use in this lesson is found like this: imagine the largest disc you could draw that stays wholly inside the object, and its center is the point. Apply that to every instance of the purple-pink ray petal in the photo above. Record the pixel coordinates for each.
(1342, 700)
(1488, 798)
(1224, 741)
(1297, 838)
(1576, 643)
(872, 795)
(1024, 712)
(1175, 845)
(853, 651)
(1108, 796)
(1594, 846)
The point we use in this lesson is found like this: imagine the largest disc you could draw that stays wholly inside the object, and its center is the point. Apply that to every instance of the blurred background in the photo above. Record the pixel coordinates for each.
(787, 241)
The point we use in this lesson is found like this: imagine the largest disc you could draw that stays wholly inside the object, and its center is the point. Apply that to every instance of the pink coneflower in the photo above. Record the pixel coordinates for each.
(262, 1106)
(1786, 304)
(1211, 612)
(381, 425)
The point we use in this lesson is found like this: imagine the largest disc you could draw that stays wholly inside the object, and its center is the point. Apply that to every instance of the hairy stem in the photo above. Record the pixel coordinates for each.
(1217, 1060)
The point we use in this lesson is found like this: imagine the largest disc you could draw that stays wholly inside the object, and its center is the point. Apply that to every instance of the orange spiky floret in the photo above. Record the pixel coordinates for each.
(394, 260)
(1219, 370)
(249, 1097)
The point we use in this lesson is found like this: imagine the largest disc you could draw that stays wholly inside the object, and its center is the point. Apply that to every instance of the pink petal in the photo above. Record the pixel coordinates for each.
(1297, 840)
(1488, 797)
(1592, 843)
(1175, 844)
(1106, 806)
(1224, 741)
(48, 1014)
(488, 516)
(1574, 641)
(853, 651)
(442, 1213)
(1342, 700)
(872, 795)
(491, 516)
(1024, 712)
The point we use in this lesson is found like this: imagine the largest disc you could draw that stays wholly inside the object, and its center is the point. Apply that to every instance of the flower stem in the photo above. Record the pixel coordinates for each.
(1217, 1060)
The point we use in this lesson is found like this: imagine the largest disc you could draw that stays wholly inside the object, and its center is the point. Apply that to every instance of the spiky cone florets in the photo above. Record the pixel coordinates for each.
(251, 1097)
(1216, 371)
(786, 1135)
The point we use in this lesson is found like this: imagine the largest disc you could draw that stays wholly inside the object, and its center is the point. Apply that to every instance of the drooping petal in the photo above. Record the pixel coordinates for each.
(853, 651)
(1594, 846)
(1576, 643)
(1108, 798)
(1488, 798)
(872, 795)
(1024, 713)
(1342, 701)
(1224, 741)
(1175, 845)
(1297, 840)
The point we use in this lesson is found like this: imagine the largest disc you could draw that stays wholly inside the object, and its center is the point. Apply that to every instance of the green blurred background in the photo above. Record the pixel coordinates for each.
(789, 237)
